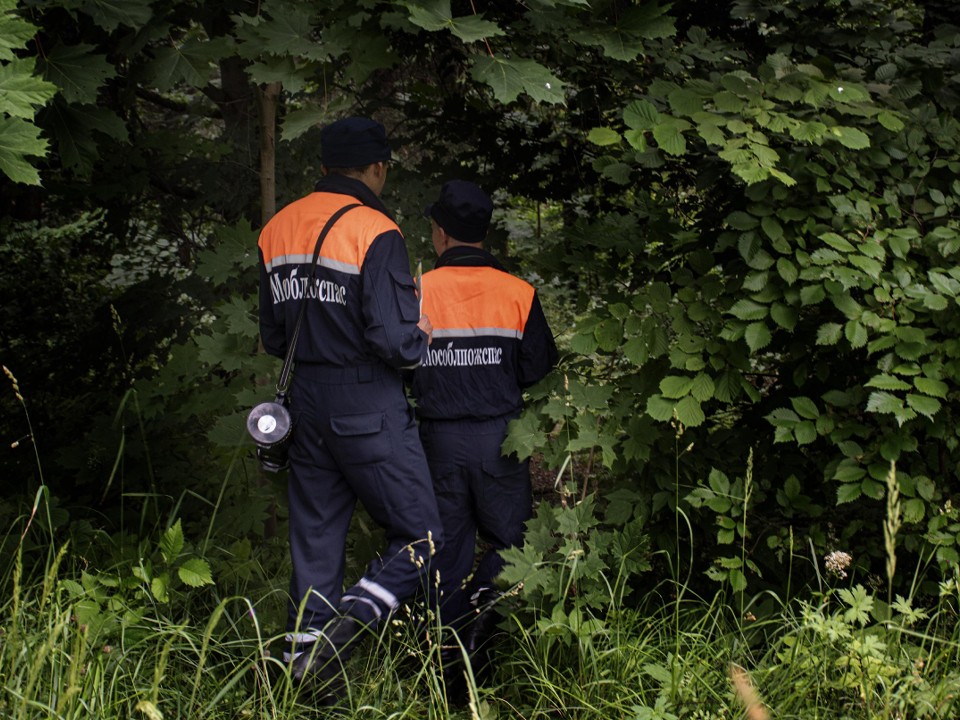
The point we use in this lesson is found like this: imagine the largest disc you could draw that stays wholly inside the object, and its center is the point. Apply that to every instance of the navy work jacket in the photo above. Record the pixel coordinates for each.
(362, 305)
(490, 339)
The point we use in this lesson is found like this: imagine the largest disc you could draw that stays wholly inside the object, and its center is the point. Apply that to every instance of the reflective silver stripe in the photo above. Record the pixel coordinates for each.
(478, 332)
(380, 593)
(280, 260)
(348, 268)
(365, 601)
(289, 260)
(304, 637)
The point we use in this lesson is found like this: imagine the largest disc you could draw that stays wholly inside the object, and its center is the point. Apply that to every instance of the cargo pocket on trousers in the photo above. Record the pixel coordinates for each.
(406, 292)
(361, 439)
(503, 468)
(447, 479)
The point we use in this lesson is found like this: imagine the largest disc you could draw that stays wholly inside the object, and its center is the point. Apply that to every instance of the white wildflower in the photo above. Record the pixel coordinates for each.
(837, 563)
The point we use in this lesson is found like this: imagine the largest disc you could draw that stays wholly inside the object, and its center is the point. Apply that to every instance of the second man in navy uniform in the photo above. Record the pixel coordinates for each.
(490, 341)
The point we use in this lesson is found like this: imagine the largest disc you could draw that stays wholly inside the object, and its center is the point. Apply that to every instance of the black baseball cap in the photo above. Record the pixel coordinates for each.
(353, 142)
(463, 210)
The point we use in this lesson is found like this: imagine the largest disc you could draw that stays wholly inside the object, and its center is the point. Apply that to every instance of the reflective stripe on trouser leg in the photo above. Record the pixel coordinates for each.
(298, 643)
(368, 601)
(378, 591)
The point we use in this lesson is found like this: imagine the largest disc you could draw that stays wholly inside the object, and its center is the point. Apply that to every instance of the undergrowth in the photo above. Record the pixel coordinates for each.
(842, 652)
(174, 623)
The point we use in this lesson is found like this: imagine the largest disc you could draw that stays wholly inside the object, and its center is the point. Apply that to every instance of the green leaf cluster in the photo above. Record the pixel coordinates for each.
(113, 603)
(576, 561)
(22, 92)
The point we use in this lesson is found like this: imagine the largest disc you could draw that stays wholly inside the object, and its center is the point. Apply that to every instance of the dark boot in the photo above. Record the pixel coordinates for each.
(454, 679)
(320, 662)
(479, 632)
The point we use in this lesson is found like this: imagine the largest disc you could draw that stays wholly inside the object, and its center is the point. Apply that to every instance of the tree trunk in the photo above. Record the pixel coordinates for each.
(269, 95)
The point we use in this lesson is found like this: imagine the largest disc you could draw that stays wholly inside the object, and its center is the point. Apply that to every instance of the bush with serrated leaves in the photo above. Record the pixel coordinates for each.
(144, 581)
(772, 269)
(579, 561)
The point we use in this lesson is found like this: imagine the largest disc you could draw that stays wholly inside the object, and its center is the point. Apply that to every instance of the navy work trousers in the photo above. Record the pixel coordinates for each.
(478, 491)
(355, 438)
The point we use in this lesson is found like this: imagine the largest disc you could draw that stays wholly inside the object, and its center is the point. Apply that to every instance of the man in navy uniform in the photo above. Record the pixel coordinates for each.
(490, 341)
(354, 434)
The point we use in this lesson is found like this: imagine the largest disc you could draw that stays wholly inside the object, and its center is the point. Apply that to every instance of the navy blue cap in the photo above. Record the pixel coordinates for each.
(463, 211)
(353, 142)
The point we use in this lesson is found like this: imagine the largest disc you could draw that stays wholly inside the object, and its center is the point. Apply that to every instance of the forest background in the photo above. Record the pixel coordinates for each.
(743, 219)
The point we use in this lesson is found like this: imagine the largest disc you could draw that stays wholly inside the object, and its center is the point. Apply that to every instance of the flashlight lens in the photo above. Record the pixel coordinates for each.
(267, 424)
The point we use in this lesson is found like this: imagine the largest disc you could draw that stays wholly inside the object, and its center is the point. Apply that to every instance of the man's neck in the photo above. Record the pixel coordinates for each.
(451, 243)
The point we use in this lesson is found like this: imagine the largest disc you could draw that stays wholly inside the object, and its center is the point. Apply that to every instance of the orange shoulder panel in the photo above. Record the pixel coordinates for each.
(476, 298)
(292, 233)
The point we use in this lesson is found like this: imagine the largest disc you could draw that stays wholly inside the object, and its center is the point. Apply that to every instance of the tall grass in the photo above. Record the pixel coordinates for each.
(81, 641)
(222, 665)
(670, 656)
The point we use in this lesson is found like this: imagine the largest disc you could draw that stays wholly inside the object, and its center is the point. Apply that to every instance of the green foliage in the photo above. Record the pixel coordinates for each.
(866, 651)
(771, 269)
(437, 16)
(113, 603)
(578, 563)
(842, 651)
(78, 71)
(48, 281)
(730, 502)
(84, 634)
(747, 213)
(21, 93)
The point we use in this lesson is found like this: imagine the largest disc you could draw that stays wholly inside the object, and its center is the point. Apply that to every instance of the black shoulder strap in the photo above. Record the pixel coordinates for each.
(284, 380)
